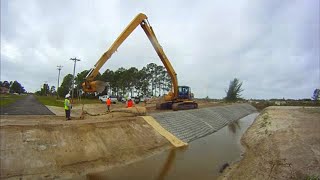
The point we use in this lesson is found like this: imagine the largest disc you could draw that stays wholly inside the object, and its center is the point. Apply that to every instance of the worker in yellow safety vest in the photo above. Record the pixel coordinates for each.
(67, 106)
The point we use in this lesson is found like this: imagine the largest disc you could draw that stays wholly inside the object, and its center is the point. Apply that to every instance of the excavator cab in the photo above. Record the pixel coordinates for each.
(184, 92)
(183, 100)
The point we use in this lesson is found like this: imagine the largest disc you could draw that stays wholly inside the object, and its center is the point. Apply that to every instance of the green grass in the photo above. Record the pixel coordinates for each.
(312, 177)
(6, 99)
(50, 101)
(263, 104)
(53, 101)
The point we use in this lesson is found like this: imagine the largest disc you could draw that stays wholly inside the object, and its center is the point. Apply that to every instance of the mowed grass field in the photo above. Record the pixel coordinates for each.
(6, 99)
(53, 101)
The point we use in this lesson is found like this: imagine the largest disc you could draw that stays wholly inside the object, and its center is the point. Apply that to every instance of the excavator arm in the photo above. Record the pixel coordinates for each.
(141, 19)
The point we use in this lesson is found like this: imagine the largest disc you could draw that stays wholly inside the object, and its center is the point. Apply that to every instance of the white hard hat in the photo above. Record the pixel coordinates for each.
(68, 95)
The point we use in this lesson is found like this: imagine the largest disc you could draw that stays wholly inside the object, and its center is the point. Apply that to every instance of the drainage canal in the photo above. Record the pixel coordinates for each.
(201, 159)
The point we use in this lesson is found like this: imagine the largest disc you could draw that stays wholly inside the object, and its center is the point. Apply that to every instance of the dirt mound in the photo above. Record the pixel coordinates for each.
(139, 111)
(82, 111)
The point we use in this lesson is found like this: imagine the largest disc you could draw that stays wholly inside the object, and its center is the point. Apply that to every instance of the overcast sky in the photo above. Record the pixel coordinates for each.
(272, 46)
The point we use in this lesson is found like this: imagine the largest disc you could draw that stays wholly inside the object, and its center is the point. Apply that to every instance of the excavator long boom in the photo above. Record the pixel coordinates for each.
(142, 20)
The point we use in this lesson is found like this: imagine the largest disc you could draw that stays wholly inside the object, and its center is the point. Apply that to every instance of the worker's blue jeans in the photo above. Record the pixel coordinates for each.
(68, 114)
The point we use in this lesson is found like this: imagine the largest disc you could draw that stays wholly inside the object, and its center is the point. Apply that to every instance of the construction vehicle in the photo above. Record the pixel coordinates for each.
(178, 99)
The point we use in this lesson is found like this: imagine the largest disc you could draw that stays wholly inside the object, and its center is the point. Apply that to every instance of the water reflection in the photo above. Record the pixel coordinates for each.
(170, 161)
(167, 165)
(234, 126)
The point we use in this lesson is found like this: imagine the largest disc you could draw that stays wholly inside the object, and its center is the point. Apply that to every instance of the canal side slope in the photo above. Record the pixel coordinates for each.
(282, 143)
(34, 147)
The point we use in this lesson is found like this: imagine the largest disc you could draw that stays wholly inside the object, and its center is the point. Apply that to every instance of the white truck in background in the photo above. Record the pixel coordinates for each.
(104, 98)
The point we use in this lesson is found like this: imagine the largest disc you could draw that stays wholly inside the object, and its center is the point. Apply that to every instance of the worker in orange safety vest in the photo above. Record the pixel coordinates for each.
(129, 103)
(108, 102)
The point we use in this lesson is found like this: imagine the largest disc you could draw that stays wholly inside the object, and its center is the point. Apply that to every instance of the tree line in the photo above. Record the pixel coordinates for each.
(46, 90)
(150, 80)
(13, 86)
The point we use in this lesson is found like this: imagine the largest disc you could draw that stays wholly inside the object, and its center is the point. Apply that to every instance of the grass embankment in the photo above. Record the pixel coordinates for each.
(263, 104)
(53, 101)
(6, 99)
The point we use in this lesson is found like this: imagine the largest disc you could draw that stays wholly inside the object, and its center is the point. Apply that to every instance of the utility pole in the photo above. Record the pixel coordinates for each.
(74, 69)
(59, 68)
(45, 87)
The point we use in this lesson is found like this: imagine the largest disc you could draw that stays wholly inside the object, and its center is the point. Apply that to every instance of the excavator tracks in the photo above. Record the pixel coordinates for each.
(164, 105)
(177, 106)
(184, 105)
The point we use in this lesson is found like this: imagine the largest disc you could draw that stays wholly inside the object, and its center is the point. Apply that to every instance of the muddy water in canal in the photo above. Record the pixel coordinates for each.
(201, 159)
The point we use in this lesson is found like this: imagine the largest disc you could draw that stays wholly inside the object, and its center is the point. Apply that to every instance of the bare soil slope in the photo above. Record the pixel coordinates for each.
(50, 147)
(282, 143)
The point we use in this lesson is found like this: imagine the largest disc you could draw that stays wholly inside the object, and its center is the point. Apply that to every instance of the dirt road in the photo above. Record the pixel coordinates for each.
(26, 106)
(282, 143)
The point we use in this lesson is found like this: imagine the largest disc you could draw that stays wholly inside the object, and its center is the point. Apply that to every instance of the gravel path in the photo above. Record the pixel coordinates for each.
(26, 106)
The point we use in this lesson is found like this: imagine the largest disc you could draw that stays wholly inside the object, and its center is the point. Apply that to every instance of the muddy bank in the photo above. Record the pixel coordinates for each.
(282, 143)
(61, 149)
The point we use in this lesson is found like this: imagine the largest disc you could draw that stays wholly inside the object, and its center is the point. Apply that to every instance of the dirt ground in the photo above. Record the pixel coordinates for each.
(67, 149)
(282, 143)
(139, 109)
(49, 147)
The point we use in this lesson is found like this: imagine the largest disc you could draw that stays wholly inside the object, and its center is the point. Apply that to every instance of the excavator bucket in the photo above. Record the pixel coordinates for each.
(94, 86)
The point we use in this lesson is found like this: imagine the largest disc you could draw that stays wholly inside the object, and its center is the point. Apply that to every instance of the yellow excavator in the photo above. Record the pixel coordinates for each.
(178, 99)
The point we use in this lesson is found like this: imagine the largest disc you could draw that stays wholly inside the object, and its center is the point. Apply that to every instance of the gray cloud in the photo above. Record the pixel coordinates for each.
(272, 46)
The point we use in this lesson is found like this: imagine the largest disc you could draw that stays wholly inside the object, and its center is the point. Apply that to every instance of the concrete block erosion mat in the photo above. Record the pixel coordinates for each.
(193, 124)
